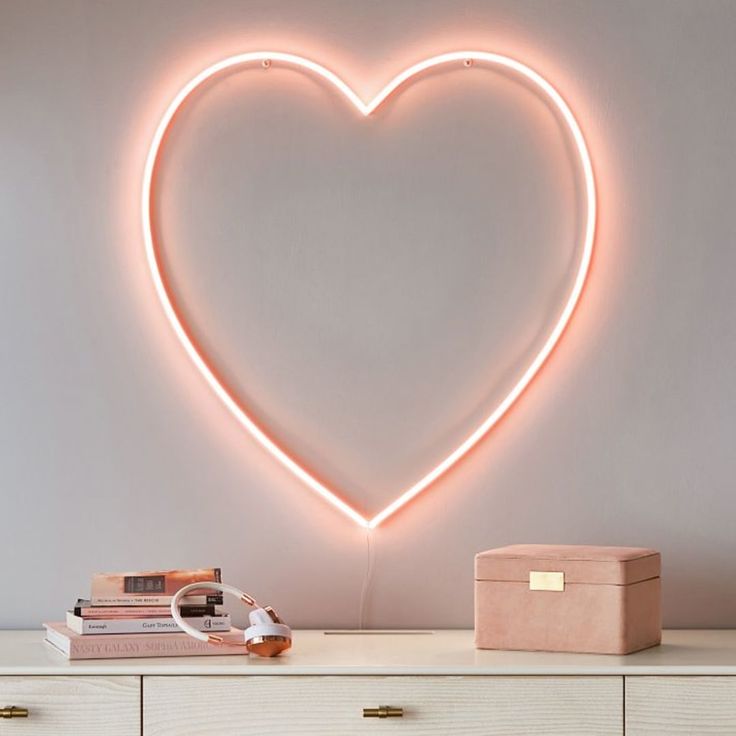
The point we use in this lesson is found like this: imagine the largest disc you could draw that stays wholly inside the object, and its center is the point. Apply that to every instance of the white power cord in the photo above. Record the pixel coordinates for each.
(366, 580)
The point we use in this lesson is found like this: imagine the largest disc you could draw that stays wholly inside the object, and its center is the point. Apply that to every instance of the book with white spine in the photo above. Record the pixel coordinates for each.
(86, 626)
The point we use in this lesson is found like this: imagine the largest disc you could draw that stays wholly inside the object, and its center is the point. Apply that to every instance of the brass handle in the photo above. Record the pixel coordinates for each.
(383, 711)
(10, 711)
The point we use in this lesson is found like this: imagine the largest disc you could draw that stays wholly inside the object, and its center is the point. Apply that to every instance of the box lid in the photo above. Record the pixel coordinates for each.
(579, 563)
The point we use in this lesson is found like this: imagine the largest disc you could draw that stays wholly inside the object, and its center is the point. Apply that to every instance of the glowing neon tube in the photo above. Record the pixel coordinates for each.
(267, 58)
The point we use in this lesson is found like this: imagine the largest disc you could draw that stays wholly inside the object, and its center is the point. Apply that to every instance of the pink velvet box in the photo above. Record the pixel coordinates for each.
(568, 598)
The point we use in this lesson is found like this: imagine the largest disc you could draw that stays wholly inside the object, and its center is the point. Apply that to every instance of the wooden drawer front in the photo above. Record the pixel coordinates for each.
(73, 706)
(680, 705)
(512, 706)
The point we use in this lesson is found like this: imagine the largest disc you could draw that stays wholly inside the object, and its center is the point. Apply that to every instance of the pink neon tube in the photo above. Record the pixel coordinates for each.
(366, 108)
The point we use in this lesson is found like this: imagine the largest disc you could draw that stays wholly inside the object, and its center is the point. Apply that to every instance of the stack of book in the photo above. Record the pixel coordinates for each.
(129, 615)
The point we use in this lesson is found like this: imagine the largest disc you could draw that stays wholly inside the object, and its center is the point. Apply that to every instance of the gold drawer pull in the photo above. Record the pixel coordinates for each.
(10, 711)
(383, 711)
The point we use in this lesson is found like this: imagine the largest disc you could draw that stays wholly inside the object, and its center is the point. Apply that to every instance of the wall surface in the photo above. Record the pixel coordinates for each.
(369, 289)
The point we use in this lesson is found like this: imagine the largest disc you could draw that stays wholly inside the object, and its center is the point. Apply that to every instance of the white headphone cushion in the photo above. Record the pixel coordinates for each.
(269, 629)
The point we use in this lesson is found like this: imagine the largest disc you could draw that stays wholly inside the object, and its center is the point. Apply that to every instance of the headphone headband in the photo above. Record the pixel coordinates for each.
(267, 635)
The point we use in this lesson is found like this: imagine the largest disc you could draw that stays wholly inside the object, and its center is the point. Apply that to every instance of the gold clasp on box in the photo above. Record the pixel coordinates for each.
(546, 580)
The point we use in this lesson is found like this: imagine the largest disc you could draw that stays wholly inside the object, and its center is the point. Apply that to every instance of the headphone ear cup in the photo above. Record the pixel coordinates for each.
(264, 636)
(270, 646)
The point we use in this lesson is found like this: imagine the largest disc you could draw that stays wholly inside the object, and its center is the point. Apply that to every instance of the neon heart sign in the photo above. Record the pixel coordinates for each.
(183, 333)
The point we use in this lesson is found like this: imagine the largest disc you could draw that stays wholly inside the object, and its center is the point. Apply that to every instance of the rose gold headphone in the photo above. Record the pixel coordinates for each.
(267, 635)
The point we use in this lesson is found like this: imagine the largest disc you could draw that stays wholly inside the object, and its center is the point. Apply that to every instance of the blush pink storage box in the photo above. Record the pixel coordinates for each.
(568, 598)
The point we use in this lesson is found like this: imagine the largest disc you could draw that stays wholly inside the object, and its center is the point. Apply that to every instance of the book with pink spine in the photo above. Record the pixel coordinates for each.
(152, 587)
(117, 646)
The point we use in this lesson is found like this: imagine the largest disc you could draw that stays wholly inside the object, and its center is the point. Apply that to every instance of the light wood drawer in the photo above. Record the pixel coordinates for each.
(73, 706)
(680, 705)
(492, 706)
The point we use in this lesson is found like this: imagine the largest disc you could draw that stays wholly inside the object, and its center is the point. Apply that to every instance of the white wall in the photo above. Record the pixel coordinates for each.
(369, 289)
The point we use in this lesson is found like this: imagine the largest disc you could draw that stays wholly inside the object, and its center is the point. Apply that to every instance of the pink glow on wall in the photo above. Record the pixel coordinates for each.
(208, 372)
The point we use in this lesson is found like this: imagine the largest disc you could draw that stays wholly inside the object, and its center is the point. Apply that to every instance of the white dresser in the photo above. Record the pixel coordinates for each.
(343, 683)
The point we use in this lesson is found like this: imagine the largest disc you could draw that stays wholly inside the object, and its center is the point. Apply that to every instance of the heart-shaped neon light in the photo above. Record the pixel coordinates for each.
(176, 319)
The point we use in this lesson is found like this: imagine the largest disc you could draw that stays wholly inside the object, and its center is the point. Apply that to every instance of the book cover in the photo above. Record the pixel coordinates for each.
(149, 625)
(153, 586)
(114, 646)
(85, 609)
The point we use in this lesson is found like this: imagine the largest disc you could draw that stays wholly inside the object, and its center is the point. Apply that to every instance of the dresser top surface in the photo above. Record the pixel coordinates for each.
(683, 652)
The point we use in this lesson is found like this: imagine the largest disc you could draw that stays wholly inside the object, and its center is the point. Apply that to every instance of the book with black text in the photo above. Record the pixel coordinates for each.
(84, 608)
(149, 625)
